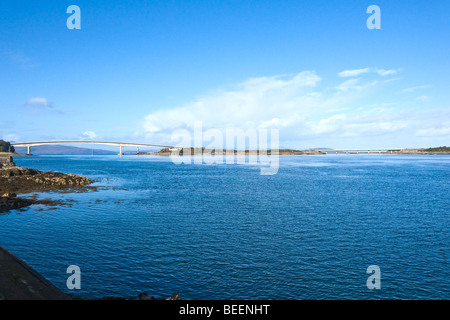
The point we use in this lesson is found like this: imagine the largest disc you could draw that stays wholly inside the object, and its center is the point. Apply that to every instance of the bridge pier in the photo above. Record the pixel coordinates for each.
(28, 150)
(120, 152)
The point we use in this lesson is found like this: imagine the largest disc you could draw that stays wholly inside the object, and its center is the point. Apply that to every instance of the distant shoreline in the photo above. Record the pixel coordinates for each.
(246, 152)
(178, 151)
(203, 151)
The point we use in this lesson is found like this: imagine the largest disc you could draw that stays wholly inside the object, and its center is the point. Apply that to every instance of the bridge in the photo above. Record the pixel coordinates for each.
(28, 145)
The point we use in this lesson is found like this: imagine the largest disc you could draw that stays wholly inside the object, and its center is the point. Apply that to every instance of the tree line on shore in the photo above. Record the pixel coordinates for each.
(5, 146)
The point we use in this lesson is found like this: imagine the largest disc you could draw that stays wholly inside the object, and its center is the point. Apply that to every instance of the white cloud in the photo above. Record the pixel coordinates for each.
(412, 89)
(390, 80)
(354, 84)
(11, 137)
(435, 132)
(358, 72)
(20, 59)
(38, 101)
(302, 110)
(89, 135)
(251, 104)
(422, 98)
(353, 73)
(350, 84)
(383, 72)
(288, 103)
(40, 106)
(355, 124)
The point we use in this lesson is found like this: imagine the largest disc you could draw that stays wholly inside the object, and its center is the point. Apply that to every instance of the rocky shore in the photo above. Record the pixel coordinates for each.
(18, 180)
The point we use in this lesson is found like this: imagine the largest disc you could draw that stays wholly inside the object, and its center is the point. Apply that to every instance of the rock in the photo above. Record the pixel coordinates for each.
(144, 296)
(18, 180)
(24, 180)
(176, 296)
(6, 161)
(8, 194)
(10, 203)
(141, 296)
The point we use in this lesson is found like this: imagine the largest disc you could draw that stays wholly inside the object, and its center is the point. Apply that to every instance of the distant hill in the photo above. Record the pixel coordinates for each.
(60, 149)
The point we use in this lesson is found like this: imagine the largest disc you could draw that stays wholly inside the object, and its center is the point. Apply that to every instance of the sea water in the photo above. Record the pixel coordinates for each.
(224, 231)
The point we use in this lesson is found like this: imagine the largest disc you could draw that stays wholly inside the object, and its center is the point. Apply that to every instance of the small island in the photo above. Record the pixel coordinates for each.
(205, 151)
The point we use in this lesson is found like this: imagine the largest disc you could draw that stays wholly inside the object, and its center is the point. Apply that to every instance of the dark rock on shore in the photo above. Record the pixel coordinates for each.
(24, 180)
(143, 296)
(12, 202)
(17, 180)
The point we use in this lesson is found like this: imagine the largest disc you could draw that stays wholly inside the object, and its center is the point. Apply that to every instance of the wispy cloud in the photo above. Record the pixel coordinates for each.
(357, 72)
(41, 106)
(354, 84)
(11, 137)
(39, 101)
(88, 135)
(353, 73)
(383, 72)
(435, 132)
(412, 89)
(20, 59)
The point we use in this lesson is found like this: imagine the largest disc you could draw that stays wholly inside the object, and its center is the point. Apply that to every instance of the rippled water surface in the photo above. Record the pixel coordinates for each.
(227, 232)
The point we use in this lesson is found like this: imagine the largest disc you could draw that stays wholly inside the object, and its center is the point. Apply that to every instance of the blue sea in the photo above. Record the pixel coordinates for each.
(224, 231)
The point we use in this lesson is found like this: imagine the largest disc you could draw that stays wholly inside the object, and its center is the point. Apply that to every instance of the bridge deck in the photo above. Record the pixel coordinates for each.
(111, 143)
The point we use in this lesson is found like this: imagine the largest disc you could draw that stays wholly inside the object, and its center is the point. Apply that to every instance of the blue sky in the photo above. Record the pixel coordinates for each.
(138, 70)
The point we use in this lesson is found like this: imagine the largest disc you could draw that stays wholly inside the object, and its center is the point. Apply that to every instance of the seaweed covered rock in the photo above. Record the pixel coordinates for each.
(24, 180)
(17, 180)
